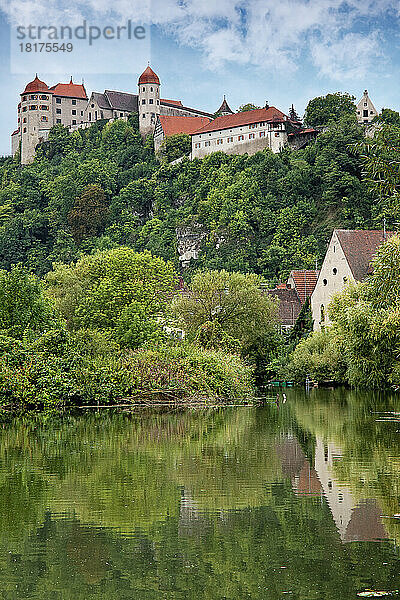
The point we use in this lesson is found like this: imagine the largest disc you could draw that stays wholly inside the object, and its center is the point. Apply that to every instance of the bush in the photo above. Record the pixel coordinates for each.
(319, 356)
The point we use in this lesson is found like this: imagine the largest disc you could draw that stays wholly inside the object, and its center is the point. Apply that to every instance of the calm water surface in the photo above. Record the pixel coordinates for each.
(299, 502)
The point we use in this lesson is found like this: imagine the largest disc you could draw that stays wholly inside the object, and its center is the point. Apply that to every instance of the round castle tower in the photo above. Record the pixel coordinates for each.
(149, 101)
(35, 115)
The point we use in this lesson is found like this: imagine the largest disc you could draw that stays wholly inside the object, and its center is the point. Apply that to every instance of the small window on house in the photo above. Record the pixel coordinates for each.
(262, 133)
(344, 279)
(44, 118)
(58, 100)
(322, 314)
(24, 129)
(121, 114)
(334, 271)
(73, 102)
(371, 112)
(73, 111)
(365, 113)
(334, 248)
(58, 120)
(58, 111)
(143, 89)
(143, 101)
(325, 282)
(81, 113)
(144, 115)
(365, 104)
(151, 101)
(92, 105)
(73, 121)
(151, 89)
(33, 107)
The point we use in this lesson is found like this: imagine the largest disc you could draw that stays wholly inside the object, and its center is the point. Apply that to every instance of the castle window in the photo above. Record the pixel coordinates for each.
(365, 104)
(24, 109)
(121, 114)
(44, 118)
(344, 279)
(24, 129)
(197, 145)
(219, 141)
(101, 115)
(58, 100)
(33, 107)
(58, 111)
(276, 133)
(43, 97)
(73, 111)
(73, 102)
(73, 121)
(81, 113)
(252, 136)
(58, 120)
(158, 102)
(95, 115)
(334, 271)
(34, 97)
(371, 112)
(207, 143)
(151, 89)
(90, 116)
(143, 89)
(262, 133)
(144, 115)
(43, 107)
(143, 101)
(151, 101)
(92, 105)
(24, 119)
(240, 138)
(325, 282)
(365, 113)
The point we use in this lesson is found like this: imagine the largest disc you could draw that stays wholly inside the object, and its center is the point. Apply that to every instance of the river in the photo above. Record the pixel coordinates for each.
(296, 501)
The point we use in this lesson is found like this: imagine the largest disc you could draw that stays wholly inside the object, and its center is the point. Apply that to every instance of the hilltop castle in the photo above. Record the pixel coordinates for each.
(42, 107)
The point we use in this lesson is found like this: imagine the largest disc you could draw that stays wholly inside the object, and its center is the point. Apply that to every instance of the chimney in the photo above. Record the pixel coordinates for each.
(266, 104)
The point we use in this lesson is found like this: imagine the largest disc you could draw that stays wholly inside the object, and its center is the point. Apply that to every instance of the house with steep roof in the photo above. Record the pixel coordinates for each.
(366, 111)
(348, 259)
(293, 294)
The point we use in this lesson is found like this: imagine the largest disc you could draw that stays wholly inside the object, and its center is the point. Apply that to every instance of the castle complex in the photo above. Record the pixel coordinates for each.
(42, 107)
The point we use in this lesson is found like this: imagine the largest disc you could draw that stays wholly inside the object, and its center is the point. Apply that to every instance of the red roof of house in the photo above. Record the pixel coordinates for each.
(148, 76)
(359, 247)
(244, 118)
(172, 125)
(289, 305)
(36, 85)
(69, 90)
(305, 282)
(175, 102)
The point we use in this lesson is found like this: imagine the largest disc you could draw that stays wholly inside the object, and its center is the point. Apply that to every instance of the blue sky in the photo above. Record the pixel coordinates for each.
(251, 50)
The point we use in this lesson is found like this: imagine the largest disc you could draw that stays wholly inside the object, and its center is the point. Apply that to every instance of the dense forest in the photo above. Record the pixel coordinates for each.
(103, 187)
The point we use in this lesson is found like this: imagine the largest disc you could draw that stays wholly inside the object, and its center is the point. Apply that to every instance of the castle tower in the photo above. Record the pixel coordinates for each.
(224, 109)
(36, 116)
(149, 101)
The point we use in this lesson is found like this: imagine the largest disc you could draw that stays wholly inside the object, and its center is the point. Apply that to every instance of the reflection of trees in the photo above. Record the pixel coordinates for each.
(371, 459)
(152, 506)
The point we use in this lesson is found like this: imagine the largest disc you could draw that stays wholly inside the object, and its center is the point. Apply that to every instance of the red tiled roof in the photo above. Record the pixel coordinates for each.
(148, 76)
(175, 102)
(305, 282)
(289, 305)
(244, 118)
(172, 125)
(36, 86)
(359, 247)
(69, 90)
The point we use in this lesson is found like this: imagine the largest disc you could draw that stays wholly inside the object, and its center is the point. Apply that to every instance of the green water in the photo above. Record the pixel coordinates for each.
(292, 502)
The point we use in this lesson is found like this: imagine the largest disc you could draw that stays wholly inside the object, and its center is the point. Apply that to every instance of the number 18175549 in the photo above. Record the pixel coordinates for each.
(46, 47)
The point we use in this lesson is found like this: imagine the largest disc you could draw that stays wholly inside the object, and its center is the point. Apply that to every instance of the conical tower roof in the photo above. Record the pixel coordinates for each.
(36, 85)
(148, 76)
(225, 108)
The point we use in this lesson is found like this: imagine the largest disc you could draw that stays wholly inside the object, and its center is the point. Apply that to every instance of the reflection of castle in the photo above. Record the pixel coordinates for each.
(355, 522)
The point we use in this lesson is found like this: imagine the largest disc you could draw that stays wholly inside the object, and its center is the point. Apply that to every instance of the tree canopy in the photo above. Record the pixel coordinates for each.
(332, 107)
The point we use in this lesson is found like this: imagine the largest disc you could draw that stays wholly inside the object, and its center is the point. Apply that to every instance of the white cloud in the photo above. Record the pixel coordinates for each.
(272, 34)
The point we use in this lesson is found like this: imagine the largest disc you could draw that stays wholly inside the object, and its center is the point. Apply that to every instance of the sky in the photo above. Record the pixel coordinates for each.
(282, 51)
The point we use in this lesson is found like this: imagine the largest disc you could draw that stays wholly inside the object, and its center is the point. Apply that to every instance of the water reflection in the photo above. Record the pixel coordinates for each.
(236, 503)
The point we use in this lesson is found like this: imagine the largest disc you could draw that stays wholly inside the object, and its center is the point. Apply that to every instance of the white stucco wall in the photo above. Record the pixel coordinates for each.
(274, 138)
(329, 282)
(365, 104)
